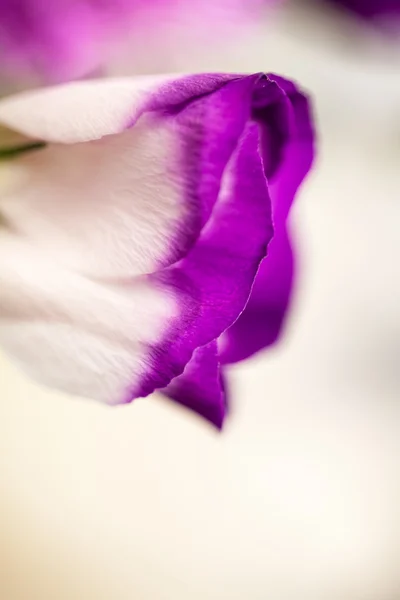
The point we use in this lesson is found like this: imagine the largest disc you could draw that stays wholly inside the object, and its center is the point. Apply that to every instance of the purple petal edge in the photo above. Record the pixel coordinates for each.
(261, 322)
(201, 387)
(214, 280)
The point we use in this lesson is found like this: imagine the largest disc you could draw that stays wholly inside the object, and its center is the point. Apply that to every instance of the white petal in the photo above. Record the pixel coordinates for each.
(77, 335)
(78, 111)
(109, 208)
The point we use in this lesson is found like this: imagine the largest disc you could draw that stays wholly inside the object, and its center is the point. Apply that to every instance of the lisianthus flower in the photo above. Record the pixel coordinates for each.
(58, 40)
(136, 215)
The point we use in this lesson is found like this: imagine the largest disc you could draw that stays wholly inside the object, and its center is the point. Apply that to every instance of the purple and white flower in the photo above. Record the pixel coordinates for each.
(136, 216)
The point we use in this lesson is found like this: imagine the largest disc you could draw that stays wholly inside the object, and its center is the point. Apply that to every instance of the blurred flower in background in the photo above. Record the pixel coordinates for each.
(55, 41)
(45, 41)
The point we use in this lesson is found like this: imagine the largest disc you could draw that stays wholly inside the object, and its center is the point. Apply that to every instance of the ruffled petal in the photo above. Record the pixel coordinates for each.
(214, 281)
(200, 387)
(261, 322)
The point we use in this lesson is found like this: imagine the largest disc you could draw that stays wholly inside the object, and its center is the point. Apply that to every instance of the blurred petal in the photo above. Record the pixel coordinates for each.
(201, 387)
(59, 40)
(261, 322)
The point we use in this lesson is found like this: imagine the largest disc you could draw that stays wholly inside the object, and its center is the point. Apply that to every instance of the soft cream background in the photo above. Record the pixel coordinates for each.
(298, 498)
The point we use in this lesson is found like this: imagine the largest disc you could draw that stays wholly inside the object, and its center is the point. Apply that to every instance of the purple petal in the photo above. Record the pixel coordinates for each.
(261, 322)
(58, 40)
(201, 387)
(214, 280)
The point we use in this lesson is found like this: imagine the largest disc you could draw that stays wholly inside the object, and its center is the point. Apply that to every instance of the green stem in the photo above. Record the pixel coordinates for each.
(7, 153)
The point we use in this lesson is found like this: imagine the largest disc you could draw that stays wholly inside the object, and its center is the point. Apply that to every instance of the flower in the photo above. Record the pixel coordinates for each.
(135, 215)
(59, 40)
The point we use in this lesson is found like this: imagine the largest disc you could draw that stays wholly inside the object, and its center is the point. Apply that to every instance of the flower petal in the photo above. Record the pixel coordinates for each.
(125, 202)
(215, 279)
(108, 209)
(54, 41)
(261, 322)
(82, 336)
(59, 40)
(136, 197)
(371, 8)
(201, 387)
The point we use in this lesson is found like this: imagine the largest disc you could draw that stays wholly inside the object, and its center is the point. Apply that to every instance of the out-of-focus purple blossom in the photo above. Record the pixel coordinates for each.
(143, 235)
(59, 40)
